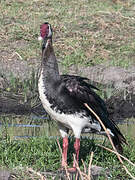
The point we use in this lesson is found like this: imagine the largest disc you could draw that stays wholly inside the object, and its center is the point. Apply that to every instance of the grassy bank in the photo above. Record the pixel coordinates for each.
(85, 32)
(42, 154)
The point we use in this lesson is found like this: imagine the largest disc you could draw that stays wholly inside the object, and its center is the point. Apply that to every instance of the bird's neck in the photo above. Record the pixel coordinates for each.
(49, 63)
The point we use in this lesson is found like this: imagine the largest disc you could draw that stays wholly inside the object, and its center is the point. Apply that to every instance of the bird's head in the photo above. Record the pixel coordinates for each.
(45, 31)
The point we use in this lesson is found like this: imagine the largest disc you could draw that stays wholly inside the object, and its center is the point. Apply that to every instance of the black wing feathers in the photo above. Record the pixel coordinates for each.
(84, 93)
(80, 79)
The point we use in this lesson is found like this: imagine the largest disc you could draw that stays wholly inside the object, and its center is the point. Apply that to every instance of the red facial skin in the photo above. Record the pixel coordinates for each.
(44, 30)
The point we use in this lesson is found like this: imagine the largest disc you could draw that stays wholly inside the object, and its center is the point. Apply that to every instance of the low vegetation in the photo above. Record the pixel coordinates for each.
(42, 154)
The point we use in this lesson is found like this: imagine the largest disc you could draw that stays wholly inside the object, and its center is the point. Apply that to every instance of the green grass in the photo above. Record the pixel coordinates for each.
(42, 154)
(85, 32)
(38, 153)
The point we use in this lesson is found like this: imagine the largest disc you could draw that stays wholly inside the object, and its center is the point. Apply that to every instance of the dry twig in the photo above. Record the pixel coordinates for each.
(84, 166)
(90, 163)
(77, 167)
(117, 153)
(67, 173)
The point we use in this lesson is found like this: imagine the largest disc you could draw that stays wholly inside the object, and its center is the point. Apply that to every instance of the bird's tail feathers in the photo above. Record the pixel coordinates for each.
(118, 141)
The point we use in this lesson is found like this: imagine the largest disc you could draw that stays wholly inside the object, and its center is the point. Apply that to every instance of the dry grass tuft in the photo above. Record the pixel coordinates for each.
(85, 32)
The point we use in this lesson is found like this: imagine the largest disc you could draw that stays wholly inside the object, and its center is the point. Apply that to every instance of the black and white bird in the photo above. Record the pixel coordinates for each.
(63, 98)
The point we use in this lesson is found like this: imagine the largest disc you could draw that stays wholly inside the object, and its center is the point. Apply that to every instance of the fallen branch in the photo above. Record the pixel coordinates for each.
(37, 173)
(109, 137)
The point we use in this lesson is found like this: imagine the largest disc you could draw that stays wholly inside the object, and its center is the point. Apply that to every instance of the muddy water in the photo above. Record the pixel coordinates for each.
(17, 127)
(27, 126)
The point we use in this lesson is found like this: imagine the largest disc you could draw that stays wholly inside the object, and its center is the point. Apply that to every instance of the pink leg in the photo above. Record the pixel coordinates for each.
(77, 149)
(64, 153)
